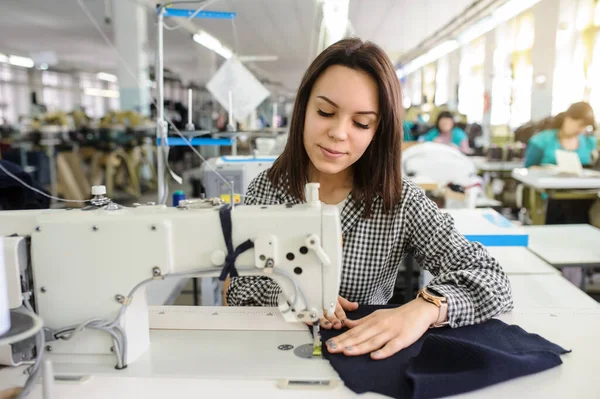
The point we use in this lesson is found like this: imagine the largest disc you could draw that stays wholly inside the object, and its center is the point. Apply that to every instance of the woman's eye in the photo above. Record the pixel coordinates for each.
(325, 114)
(360, 125)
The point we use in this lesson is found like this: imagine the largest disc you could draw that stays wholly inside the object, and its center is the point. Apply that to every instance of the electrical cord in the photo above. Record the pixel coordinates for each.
(33, 370)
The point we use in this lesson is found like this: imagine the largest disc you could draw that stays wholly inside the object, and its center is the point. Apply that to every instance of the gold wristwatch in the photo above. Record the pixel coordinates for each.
(439, 301)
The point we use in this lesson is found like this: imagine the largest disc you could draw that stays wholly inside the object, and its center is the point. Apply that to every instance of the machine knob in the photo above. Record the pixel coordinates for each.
(217, 258)
(98, 190)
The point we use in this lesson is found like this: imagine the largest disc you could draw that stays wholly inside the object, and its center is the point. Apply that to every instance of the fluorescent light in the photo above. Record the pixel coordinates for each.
(335, 18)
(20, 61)
(432, 55)
(503, 13)
(106, 76)
(92, 91)
(476, 30)
(3, 58)
(43, 67)
(257, 58)
(213, 44)
(511, 9)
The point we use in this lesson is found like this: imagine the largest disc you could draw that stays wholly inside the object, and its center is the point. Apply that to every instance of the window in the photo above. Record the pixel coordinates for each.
(471, 82)
(441, 81)
(14, 93)
(90, 100)
(57, 93)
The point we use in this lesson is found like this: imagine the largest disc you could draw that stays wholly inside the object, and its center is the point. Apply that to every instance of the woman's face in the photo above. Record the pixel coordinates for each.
(341, 118)
(573, 127)
(446, 124)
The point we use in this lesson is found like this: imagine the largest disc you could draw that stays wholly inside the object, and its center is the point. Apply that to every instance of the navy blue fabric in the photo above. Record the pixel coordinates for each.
(446, 361)
(14, 196)
(226, 225)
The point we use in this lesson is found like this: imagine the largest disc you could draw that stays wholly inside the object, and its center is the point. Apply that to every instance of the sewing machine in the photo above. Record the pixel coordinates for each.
(89, 266)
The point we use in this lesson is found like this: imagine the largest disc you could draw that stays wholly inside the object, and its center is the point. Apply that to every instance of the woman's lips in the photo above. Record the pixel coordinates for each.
(331, 154)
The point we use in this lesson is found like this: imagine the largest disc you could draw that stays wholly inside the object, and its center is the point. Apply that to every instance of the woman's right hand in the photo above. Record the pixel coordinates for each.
(337, 321)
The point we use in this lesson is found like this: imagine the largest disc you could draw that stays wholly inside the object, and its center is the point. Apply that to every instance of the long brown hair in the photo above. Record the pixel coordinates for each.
(580, 111)
(378, 171)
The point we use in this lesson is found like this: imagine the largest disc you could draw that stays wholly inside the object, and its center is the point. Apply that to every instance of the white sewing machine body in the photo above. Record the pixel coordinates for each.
(439, 162)
(86, 262)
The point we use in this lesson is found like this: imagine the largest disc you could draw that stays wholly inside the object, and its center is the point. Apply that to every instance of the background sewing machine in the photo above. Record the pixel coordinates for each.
(89, 265)
(434, 166)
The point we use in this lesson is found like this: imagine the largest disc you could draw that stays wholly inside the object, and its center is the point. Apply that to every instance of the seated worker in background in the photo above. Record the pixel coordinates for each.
(446, 133)
(407, 129)
(345, 134)
(568, 134)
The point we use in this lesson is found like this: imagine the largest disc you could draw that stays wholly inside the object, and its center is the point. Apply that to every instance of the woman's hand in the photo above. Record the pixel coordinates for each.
(385, 331)
(339, 319)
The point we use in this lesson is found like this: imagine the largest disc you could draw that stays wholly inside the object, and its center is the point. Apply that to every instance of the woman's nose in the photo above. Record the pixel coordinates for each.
(339, 131)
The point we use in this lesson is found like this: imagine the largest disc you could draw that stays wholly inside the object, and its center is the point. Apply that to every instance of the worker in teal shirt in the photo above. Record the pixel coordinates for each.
(568, 135)
(445, 132)
(407, 128)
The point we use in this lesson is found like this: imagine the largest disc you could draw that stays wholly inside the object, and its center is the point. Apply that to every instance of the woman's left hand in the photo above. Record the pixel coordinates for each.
(385, 331)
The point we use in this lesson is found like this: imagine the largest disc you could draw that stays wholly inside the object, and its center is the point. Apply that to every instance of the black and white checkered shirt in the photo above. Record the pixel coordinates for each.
(464, 272)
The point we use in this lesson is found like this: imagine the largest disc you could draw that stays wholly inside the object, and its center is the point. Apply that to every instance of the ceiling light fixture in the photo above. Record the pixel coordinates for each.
(213, 44)
(107, 77)
(432, 55)
(258, 58)
(92, 91)
(20, 61)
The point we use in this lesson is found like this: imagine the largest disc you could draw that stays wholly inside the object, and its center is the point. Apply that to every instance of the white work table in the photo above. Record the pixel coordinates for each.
(566, 245)
(548, 291)
(484, 165)
(548, 179)
(520, 260)
(209, 363)
(487, 227)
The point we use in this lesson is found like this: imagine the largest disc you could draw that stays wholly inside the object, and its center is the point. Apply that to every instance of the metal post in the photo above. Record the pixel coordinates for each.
(190, 125)
(231, 193)
(160, 111)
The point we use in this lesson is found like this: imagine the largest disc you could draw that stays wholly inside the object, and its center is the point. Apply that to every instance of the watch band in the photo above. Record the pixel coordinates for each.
(439, 301)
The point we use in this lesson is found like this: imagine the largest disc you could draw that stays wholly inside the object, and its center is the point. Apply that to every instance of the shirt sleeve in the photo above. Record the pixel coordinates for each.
(461, 135)
(473, 282)
(254, 290)
(533, 155)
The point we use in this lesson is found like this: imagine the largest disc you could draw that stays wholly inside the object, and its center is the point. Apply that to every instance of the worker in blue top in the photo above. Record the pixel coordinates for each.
(568, 135)
(407, 129)
(445, 132)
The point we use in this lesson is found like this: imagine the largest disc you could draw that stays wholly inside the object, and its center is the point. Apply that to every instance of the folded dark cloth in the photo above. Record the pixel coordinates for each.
(14, 195)
(446, 361)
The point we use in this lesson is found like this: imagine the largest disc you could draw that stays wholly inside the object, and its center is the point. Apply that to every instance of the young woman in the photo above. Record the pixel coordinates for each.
(346, 134)
(567, 134)
(445, 132)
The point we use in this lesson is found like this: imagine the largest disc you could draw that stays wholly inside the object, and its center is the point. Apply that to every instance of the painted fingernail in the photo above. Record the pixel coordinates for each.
(331, 344)
(376, 354)
(336, 323)
(343, 322)
(326, 323)
(349, 348)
